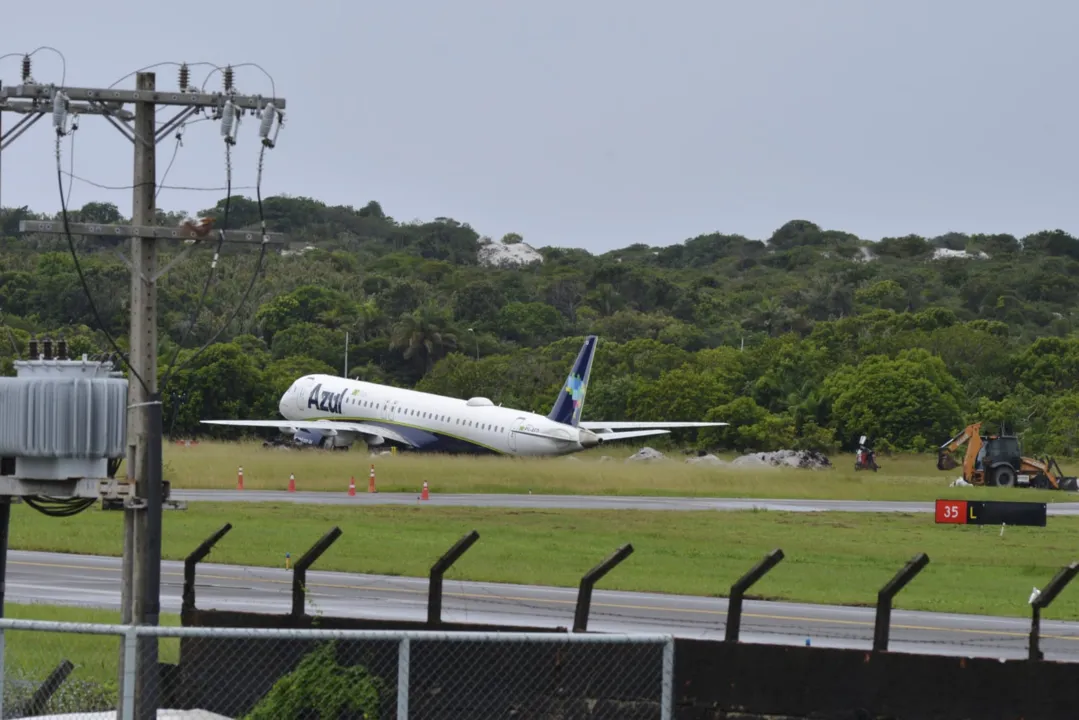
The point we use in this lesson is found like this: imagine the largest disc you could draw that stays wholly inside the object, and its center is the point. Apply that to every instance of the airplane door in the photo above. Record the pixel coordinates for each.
(389, 409)
(299, 396)
(518, 422)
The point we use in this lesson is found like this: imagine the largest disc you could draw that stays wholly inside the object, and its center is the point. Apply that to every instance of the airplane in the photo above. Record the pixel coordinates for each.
(332, 412)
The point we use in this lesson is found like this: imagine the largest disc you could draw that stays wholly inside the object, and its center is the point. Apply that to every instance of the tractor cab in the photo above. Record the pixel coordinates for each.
(996, 450)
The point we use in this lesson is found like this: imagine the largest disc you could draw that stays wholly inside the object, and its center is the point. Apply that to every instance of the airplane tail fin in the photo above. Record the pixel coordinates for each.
(567, 407)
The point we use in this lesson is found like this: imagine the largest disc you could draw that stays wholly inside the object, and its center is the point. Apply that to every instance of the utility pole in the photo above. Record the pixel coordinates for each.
(143, 508)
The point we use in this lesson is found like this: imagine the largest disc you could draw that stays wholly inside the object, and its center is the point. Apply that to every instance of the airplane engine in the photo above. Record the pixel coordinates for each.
(328, 439)
(338, 440)
(589, 439)
(306, 437)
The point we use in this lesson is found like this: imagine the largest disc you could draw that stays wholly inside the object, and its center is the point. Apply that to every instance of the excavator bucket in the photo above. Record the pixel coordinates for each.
(1069, 484)
(945, 461)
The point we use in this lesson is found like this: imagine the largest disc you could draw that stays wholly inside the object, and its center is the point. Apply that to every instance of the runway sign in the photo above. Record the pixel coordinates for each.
(990, 512)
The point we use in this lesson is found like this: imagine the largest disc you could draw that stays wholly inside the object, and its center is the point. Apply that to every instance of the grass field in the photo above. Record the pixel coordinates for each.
(30, 655)
(911, 477)
(841, 558)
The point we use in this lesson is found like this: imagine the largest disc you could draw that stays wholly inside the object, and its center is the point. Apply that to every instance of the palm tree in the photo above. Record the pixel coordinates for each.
(421, 334)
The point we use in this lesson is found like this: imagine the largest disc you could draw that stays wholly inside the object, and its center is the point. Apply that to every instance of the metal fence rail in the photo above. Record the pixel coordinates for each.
(74, 669)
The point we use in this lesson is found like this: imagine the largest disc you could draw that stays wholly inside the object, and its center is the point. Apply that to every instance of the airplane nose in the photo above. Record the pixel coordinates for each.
(588, 439)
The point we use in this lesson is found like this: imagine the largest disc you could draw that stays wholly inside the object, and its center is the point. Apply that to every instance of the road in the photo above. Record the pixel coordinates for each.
(572, 502)
(95, 581)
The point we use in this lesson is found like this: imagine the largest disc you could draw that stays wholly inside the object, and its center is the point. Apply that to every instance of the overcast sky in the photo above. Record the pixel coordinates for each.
(598, 123)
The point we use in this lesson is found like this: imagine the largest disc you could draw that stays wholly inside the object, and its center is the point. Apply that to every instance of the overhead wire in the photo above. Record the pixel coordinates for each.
(269, 115)
(161, 64)
(63, 61)
(229, 139)
(67, 507)
(186, 188)
(78, 266)
(213, 266)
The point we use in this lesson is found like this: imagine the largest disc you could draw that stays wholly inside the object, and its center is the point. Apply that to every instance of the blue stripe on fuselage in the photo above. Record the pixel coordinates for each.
(428, 441)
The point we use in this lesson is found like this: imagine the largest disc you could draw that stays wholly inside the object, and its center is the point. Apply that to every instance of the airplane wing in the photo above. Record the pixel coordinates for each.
(338, 425)
(626, 425)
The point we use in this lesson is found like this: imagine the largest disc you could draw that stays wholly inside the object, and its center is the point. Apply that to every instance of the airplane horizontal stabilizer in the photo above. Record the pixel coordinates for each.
(337, 425)
(548, 436)
(626, 425)
(606, 437)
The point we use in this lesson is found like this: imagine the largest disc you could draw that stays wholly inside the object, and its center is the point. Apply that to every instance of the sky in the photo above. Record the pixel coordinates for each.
(594, 124)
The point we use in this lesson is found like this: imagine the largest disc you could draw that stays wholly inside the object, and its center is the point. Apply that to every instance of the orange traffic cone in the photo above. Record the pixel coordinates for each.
(291, 482)
(371, 480)
(352, 485)
(240, 479)
(425, 495)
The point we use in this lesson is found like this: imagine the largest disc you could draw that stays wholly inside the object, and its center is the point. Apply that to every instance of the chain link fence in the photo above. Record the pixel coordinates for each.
(81, 670)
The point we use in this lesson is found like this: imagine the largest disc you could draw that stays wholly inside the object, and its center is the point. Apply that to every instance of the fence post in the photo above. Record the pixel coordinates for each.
(402, 679)
(667, 683)
(127, 682)
(193, 559)
(1042, 600)
(584, 594)
(434, 592)
(40, 699)
(299, 573)
(889, 591)
(738, 590)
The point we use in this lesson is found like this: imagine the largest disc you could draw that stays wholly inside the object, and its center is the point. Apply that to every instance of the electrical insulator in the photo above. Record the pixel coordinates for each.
(269, 114)
(185, 77)
(229, 121)
(228, 79)
(25, 68)
(59, 111)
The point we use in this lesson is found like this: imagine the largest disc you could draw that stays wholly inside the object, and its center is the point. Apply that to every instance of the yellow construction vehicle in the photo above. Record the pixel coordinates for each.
(998, 460)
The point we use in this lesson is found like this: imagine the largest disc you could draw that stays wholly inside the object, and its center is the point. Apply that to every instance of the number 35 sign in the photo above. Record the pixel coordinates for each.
(990, 512)
(952, 511)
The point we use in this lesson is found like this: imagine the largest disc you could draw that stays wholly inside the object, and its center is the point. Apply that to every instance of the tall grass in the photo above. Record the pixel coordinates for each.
(214, 465)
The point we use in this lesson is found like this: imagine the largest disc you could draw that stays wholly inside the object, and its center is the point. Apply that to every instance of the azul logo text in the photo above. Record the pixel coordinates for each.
(325, 400)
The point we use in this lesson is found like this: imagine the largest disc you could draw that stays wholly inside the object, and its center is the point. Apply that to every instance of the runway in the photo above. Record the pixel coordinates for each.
(60, 579)
(572, 502)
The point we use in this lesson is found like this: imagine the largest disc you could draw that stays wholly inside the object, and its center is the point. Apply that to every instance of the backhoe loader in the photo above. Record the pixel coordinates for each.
(997, 460)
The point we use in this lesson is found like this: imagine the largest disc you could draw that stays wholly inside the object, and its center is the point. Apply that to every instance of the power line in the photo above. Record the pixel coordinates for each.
(78, 268)
(185, 188)
(267, 123)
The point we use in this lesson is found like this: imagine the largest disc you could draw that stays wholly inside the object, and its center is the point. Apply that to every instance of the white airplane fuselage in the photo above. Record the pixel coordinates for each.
(429, 422)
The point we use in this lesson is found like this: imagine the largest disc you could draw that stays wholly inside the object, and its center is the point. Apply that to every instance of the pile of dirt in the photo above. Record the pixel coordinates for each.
(646, 453)
(805, 459)
(708, 459)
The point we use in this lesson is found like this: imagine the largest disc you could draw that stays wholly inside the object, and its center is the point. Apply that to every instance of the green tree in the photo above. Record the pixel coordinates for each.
(424, 334)
(911, 401)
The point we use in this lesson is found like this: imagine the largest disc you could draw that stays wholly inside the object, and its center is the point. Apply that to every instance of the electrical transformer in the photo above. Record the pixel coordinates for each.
(62, 419)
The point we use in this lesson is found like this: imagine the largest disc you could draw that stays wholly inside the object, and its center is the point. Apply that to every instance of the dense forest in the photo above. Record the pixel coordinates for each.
(806, 339)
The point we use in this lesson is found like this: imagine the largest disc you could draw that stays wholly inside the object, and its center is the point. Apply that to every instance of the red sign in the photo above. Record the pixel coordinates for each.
(952, 511)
